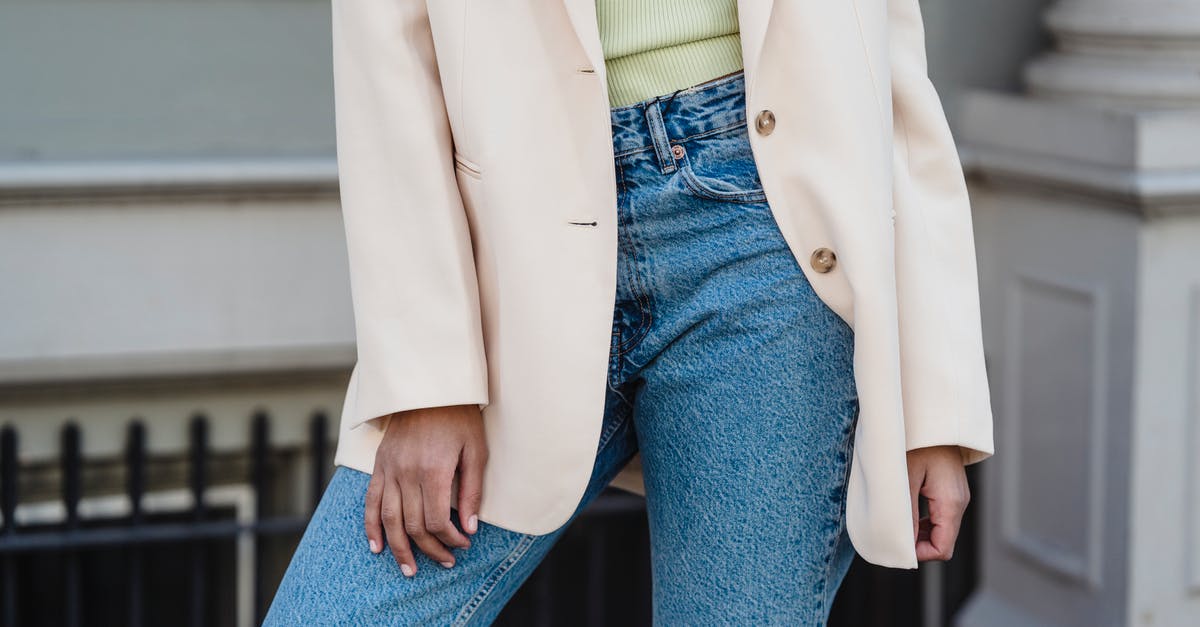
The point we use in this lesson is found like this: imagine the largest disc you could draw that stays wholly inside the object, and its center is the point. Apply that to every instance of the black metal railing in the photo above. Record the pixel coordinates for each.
(197, 528)
(174, 567)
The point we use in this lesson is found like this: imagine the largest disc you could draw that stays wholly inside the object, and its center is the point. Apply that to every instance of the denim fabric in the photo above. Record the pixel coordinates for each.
(728, 374)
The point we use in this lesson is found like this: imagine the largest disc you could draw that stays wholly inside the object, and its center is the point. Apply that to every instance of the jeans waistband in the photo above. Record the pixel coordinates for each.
(654, 123)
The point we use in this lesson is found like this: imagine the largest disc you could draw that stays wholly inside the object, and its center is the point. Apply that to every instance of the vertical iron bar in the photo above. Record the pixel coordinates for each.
(259, 443)
(135, 487)
(71, 491)
(319, 443)
(8, 505)
(199, 476)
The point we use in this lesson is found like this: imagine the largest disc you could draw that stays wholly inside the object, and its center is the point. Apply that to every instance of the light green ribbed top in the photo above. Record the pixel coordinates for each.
(653, 47)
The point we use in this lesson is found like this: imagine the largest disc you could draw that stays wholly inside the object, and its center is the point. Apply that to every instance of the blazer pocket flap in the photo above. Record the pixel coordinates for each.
(466, 165)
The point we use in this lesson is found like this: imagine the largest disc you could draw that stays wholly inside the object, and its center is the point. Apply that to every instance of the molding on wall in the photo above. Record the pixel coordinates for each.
(1146, 161)
(88, 181)
(240, 361)
(1142, 53)
(1084, 567)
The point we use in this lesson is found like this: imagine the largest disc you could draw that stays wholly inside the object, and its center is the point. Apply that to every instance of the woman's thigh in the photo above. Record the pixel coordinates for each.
(745, 399)
(745, 455)
(333, 579)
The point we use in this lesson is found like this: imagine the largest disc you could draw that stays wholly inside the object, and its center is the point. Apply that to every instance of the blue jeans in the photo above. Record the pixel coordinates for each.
(728, 374)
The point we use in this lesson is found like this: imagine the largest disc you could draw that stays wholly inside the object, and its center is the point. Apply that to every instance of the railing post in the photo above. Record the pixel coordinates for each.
(71, 491)
(135, 486)
(259, 451)
(198, 479)
(8, 505)
(319, 443)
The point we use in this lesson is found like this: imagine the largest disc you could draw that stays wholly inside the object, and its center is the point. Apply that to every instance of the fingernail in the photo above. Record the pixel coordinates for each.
(407, 570)
(448, 564)
(472, 523)
(374, 547)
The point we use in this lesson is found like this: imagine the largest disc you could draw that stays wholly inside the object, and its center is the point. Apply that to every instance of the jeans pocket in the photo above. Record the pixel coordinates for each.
(720, 167)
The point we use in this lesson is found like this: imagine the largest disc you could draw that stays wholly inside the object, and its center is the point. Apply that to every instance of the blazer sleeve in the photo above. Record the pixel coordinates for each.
(943, 376)
(412, 272)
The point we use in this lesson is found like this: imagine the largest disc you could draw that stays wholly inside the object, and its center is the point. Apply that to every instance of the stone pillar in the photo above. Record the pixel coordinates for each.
(1086, 193)
(1121, 52)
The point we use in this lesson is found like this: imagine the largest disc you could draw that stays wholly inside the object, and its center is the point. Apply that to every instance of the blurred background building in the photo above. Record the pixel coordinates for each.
(177, 329)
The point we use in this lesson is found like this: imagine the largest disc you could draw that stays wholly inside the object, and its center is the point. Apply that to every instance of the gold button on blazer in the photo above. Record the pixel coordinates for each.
(479, 200)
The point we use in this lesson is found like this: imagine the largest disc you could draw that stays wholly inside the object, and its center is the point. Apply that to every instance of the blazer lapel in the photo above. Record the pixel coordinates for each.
(753, 17)
(583, 21)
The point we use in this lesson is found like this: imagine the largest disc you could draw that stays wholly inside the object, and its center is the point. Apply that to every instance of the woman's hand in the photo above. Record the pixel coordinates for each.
(409, 491)
(937, 473)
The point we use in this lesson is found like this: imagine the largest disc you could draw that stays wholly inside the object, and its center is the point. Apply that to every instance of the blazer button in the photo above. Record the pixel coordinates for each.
(764, 122)
(823, 260)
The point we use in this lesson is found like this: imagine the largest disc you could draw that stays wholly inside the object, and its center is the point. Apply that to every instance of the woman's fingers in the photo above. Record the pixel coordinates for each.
(470, 486)
(371, 519)
(939, 535)
(411, 491)
(392, 513)
(936, 472)
(947, 503)
(414, 523)
(435, 493)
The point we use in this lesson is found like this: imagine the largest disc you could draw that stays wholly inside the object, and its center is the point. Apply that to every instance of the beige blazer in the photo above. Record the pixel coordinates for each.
(479, 200)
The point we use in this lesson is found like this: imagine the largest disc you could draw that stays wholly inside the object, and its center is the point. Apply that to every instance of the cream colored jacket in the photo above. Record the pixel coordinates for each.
(479, 198)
